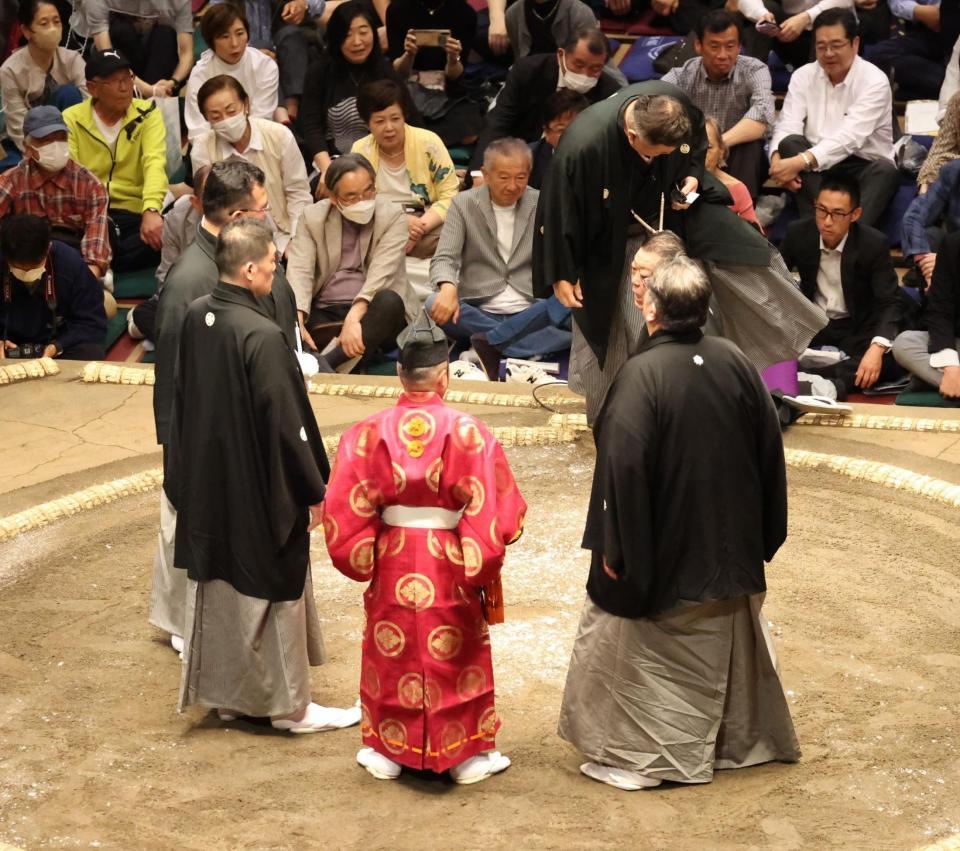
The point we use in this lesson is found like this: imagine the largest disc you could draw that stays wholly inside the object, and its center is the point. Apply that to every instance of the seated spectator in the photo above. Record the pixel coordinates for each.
(874, 17)
(282, 28)
(236, 134)
(735, 90)
(414, 169)
(346, 267)
(41, 72)
(180, 222)
(716, 159)
(945, 148)
(951, 80)
(434, 73)
(329, 119)
(931, 355)
(838, 115)
(48, 183)
(225, 29)
(559, 110)
(930, 217)
(845, 268)
(796, 24)
(483, 268)
(51, 305)
(915, 57)
(519, 111)
(155, 35)
(123, 142)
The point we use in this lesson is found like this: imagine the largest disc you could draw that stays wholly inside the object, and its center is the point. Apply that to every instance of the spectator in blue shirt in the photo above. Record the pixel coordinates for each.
(930, 216)
(917, 56)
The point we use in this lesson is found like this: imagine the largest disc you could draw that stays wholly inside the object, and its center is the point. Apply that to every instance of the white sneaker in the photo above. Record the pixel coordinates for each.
(466, 371)
(132, 329)
(479, 767)
(176, 642)
(319, 719)
(378, 765)
(107, 280)
(471, 356)
(534, 376)
(621, 778)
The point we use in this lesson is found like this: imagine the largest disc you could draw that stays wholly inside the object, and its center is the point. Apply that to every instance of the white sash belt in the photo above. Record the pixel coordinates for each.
(420, 517)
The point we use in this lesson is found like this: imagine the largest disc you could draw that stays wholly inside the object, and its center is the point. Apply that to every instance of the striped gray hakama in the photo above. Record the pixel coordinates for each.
(677, 695)
(168, 591)
(246, 654)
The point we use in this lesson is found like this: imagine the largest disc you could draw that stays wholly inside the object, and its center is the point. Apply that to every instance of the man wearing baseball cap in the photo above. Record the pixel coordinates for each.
(122, 140)
(48, 183)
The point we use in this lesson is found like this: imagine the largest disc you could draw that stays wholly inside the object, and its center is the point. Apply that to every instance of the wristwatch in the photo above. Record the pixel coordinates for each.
(807, 160)
(177, 87)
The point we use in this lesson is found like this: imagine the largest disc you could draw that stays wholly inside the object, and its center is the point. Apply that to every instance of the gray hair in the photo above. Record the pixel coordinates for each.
(661, 120)
(240, 242)
(422, 377)
(507, 148)
(344, 164)
(665, 244)
(680, 292)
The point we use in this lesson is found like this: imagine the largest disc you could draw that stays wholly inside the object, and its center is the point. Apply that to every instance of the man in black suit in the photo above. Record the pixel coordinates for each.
(519, 111)
(845, 268)
(931, 355)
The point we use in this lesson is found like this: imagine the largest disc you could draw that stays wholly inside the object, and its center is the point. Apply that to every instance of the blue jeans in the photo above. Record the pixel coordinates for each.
(541, 329)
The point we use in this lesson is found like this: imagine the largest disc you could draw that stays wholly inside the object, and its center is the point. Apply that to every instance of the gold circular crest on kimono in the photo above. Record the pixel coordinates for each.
(389, 638)
(444, 642)
(487, 725)
(415, 591)
(470, 489)
(366, 722)
(331, 531)
(370, 680)
(454, 553)
(391, 542)
(433, 474)
(361, 556)
(434, 547)
(417, 425)
(432, 694)
(410, 691)
(684, 148)
(503, 476)
(399, 477)
(472, 556)
(393, 734)
(415, 449)
(452, 738)
(366, 439)
(471, 682)
(467, 436)
(363, 498)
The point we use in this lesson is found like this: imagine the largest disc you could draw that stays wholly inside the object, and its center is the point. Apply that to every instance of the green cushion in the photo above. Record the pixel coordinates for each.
(461, 156)
(139, 284)
(149, 357)
(924, 400)
(382, 367)
(116, 327)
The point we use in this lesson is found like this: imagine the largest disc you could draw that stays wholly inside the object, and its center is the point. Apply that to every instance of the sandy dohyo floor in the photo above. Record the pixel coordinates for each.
(867, 624)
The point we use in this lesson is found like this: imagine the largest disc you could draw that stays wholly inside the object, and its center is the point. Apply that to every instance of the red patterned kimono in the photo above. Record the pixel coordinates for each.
(426, 683)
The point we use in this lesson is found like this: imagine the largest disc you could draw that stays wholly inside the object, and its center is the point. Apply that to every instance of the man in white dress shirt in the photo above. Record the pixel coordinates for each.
(838, 115)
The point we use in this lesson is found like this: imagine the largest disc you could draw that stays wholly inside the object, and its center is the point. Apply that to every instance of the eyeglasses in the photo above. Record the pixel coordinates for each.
(353, 197)
(832, 46)
(835, 215)
(264, 209)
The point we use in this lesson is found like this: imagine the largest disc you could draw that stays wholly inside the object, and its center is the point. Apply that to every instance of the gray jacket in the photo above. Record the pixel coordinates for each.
(467, 253)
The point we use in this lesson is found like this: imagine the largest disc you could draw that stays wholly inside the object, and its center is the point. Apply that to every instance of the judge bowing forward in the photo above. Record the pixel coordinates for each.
(672, 666)
(246, 476)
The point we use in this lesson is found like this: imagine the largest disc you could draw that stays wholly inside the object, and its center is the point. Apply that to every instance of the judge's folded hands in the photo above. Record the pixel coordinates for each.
(569, 295)
(446, 306)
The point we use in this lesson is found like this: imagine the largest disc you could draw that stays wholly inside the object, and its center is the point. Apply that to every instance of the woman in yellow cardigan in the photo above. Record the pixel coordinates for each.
(412, 164)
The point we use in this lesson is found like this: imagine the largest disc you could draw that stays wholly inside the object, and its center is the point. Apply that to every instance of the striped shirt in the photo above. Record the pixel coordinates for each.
(746, 92)
(73, 199)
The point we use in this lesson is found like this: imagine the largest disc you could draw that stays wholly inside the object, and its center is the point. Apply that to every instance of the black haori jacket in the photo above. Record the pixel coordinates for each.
(689, 493)
(246, 458)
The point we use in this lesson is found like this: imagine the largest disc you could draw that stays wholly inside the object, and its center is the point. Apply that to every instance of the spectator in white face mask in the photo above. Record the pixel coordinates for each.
(48, 183)
(236, 134)
(346, 268)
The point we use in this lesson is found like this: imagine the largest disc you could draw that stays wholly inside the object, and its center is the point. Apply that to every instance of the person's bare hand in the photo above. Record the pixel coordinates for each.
(50, 351)
(151, 229)
(316, 516)
(452, 47)
(869, 369)
(950, 383)
(163, 88)
(664, 8)
(410, 43)
(266, 51)
(446, 306)
(305, 335)
(415, 227)
(569, 295)
(926, 263)
(618, 7)
(785, 169)
(689, 185)
(609, 570)
(792, 28)
(351, 338)
(497, 37)
(7, 344)
(294, 12)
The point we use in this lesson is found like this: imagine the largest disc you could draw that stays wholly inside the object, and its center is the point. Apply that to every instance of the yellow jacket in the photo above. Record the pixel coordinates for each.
(136, 177)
